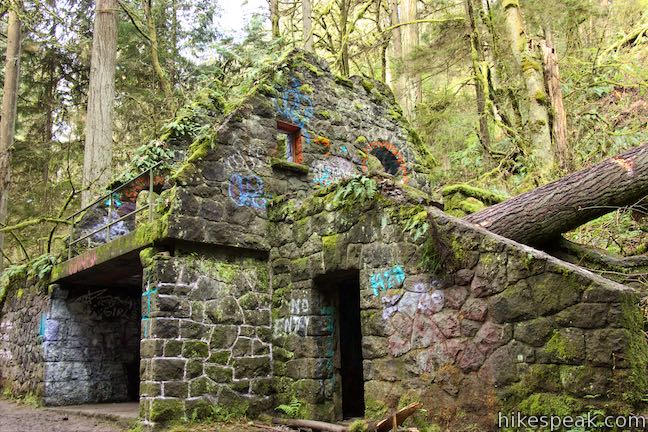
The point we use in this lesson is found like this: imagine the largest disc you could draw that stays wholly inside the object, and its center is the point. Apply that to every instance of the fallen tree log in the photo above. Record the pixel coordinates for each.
(539, 217)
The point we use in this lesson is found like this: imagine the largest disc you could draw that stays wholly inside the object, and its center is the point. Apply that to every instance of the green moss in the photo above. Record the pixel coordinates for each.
(634, 322)
(358, 106)
(457, 249)
(550, 404)
(561, 347)
(541, 97)
(361, 140)
(20, 293)
(290, 166)
(368, 85)
(483, 195)
(164, 410)
(510, 3)
(324, 114)
(529, 63)
(358, 426)
(312, 68)
(343, 81)
(471, 205)
(306, 89)
(146, 256)
(375, 409)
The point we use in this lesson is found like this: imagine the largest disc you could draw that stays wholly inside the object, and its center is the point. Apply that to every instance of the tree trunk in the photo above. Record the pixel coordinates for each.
(559, 118)
(97, 155)
(307, 19)
(540, 155)
(9, 102)
(481, 83)
(410, 42)
(274, 18)
(396, 65)
(165, 84)
(541, 215)
(345, 6)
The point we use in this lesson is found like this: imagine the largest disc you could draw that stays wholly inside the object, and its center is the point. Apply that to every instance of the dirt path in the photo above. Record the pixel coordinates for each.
(23, 418)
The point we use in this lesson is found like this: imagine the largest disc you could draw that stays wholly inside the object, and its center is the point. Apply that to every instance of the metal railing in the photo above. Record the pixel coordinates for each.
(110, 197)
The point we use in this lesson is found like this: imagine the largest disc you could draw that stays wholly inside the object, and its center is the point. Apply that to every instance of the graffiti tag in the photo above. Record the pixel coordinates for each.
(247, 191)
(389, 279)
(106, 306)
(296, 323)
(332, 170)
(146, 315)
(296, 107)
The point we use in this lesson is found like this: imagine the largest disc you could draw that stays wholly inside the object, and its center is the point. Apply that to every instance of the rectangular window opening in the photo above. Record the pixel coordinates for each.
(289, 142)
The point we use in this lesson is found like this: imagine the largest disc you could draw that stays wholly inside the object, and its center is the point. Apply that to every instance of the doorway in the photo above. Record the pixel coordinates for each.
(341, 290)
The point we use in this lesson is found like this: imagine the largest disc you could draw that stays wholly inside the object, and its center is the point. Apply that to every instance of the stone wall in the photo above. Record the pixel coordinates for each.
(206, 340)
(464, 321)
(223, 192)
(21, 337)
(91, 345)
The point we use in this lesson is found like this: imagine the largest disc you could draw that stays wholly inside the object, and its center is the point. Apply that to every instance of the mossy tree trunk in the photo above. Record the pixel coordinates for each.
(161, 74)
(410, 42)
(9, 99)
(479, 77)
(396, 63)
(274, 18)
(540, 155)
(539, 217)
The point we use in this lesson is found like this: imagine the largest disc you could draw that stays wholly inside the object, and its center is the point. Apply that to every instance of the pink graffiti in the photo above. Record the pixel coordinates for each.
(82, 262)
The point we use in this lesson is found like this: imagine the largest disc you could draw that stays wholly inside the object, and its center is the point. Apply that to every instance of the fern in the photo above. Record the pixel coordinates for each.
(355, 191)
(293, 409)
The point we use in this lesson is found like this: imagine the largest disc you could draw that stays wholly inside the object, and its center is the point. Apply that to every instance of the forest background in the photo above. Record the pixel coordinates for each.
(506, 95)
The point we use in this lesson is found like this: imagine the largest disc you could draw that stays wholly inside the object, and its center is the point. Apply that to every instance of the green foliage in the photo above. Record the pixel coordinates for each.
(355, 191)
(293, 409)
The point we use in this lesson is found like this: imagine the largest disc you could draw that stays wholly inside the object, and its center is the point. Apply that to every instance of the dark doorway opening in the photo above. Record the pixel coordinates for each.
(340, 293)
(350, 336)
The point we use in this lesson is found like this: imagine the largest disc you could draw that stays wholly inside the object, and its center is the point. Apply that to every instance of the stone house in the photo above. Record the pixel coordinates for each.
(295, 256)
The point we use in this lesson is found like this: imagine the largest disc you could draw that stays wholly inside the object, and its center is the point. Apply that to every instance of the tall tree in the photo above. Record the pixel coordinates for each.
(274, 18)
(9, 98)
(161, 74)
(307, 19)
(479, 68)
(410, 42)
(396, 70)
(541, 155)
(97, 156)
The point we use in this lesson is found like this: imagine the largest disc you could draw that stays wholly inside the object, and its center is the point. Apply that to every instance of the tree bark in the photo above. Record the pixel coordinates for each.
(396, 74)
(165, 84)
(410, 42)
(559, 117)
(345, 8)
(540, 155)
(481, 84)
(274, 18)
(9, 102)
(307, 20)
(97, 155)
(541, 215)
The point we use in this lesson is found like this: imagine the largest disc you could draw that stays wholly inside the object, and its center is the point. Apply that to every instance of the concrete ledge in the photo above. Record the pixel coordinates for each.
(124, 414)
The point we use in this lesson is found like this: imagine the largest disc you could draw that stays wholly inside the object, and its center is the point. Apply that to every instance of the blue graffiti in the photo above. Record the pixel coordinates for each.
(146, 316)
(247, 191)
(42, 325)
(325, 178)
(295, 106)
(389, 279)
(344, 149)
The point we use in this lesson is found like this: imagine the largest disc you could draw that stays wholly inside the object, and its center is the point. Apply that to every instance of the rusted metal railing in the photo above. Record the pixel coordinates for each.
(109, 196)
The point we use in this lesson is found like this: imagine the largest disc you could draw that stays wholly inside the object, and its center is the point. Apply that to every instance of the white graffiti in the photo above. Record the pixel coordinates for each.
(417, 299)
(297, 322)
(332, 170)
(238, 162)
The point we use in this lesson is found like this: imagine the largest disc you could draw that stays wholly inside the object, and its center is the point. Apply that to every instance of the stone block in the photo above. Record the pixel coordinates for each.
(219, 374)
(195, 349)
(474, 309)
(164, 369)
(607, 347)
(534, 332)
(224, 311)
(566, 346)
(179, 389)
(193, 330)
(223, 336)
(373, 347)
(172, 348)
(164, 410)
(252, 367)
(583, 315)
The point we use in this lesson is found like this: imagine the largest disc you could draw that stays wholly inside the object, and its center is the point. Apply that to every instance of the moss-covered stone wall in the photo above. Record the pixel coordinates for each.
(205, 336)
(21, 339)
(224, 187)
(462, 320)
